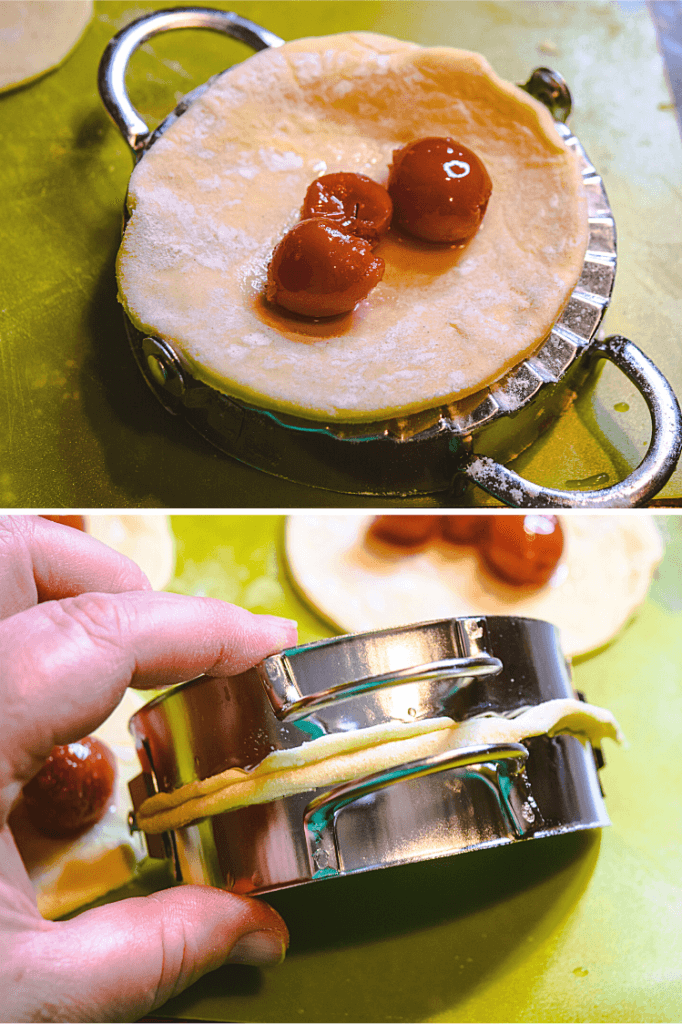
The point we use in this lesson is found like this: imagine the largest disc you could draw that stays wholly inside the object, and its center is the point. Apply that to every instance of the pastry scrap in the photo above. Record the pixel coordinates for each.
(601, 578)
(213, 196)
(331, 760)
(36, 36)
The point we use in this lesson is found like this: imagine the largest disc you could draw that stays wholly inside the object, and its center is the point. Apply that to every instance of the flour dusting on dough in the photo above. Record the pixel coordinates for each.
(443, 322)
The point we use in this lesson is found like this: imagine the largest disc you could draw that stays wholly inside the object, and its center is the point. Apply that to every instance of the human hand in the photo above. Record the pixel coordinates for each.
(78, 624)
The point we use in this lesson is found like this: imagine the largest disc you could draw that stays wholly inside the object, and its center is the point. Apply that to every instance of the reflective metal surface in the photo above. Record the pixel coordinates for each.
(500, 765)
(114, 62)
(644, 482)
(462, 800)
(445, 448)
(377, 660)
(550, 88)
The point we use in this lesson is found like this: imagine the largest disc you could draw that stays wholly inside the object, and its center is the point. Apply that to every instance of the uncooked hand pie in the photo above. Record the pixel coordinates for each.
(601, 578)
(340, 757)
(215, 194)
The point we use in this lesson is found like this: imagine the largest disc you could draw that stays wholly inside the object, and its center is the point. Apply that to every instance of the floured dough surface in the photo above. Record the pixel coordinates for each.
(36, 36)
(69, 873)
(338, 758)
(214, 195)
(602, 578)
(148, 540)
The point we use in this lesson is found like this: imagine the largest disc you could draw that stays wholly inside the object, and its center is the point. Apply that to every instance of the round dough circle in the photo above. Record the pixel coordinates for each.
(36, 36)
(603, 576)
(215, 193)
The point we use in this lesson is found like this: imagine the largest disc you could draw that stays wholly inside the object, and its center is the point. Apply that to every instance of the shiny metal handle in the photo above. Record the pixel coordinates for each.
(641, 485)
(115, 59)
(320, 814)
(289, 703)
(549, 87)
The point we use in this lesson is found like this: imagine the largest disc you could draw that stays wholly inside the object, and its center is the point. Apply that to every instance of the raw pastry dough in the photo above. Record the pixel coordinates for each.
(337, 758)
(603, 576)
(36, 36)
(213, 196)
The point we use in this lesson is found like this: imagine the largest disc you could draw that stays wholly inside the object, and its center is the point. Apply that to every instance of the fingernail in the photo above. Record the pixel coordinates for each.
(288, 627)
(258, 949)
(279, 620)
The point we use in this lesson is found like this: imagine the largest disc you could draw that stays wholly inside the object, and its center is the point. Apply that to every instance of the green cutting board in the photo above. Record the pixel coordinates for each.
(78, 427)
(583, 927)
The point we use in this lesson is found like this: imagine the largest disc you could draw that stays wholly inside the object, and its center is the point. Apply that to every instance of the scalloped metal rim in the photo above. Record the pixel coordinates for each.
(568, 340)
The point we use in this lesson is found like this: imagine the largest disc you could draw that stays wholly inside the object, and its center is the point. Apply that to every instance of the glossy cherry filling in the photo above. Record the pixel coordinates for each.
(72, 790)
(356, 203)
(440, 190)
(318, 270)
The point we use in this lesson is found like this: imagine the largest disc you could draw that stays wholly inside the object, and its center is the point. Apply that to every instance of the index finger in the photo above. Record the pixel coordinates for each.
(43, 561)
(64, 665)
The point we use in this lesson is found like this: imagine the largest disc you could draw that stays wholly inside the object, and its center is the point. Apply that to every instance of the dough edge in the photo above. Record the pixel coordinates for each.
(324, 762)
(334, 407)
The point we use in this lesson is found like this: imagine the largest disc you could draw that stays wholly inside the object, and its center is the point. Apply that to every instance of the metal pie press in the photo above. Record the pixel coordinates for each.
(449, 803)
(443, 449)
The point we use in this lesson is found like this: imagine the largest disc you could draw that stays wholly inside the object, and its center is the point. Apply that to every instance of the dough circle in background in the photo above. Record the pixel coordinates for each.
(213, 196)
(38, 35)
(602, 578)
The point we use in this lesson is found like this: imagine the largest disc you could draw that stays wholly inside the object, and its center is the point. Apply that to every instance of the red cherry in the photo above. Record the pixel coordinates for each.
(72, 790)
(318, 270)
(523, 550)
(463, 529)
(403, 531)
(440, 190)
(357, 204)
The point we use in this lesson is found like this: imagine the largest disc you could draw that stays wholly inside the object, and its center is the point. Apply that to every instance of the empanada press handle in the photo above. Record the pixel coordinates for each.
(290, 704)
(641, 485)
(116, 57)
(496, 764)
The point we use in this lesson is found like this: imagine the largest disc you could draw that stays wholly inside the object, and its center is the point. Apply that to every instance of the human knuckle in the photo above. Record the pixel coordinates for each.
(124, 574)
(100, 618)
(14, 531)
(178, 951)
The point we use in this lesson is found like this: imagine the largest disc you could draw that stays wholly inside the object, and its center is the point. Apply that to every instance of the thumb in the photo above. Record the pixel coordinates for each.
(120, 961)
